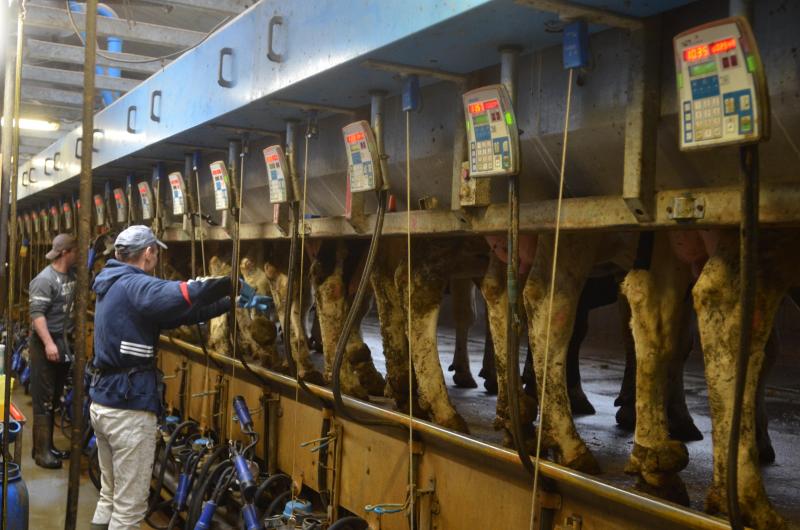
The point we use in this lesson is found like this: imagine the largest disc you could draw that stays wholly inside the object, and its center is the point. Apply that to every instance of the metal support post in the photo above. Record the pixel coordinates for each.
(641, 121)
(82, 286)
(9, 198)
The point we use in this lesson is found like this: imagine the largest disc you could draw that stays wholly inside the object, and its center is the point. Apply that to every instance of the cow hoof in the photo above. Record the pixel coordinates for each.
(579, 403)
(489, 381)
(455, 423)
(370, 378)
(464, 380)
(312, 376)
(685, 431)
(665, 486)
(667, 457)
(626, 417)
(584, 462)
(757, 512)
(766, 455)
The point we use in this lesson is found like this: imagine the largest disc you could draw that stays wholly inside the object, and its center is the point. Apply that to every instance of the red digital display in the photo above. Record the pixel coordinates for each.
(272, 158)
(66, 207)
(722, 46)
(491, 104)
(118, 196)
(702, 51)
(475, 108)
(98, 200)
(355, 137)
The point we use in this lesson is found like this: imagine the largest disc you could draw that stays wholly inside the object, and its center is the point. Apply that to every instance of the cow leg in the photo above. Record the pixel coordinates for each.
(656, 299)
(279, 282)
(361, 357)
(717, 301)
(766, 454)
(579, 403)
(576, 255)
(427, 287)
(464, 316)
(393, 334)
(488, 368)
(493, 289)
(331, 303)
(626, 400)
(681, 424)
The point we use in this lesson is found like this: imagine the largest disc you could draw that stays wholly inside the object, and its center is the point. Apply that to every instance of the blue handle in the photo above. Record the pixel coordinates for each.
(204, 521)
(246, 482)
(182, 492)
(243, 413)
(250, 517)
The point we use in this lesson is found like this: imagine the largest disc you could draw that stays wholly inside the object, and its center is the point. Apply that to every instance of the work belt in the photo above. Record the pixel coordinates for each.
(96, 373)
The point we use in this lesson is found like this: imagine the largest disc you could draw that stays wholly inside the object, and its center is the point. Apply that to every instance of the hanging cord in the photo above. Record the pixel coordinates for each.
(140, 61)
(550, 302)
(290, 303)
(411, 485)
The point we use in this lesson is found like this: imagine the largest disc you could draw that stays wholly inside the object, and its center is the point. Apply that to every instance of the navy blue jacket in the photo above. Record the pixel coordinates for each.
(132, 309)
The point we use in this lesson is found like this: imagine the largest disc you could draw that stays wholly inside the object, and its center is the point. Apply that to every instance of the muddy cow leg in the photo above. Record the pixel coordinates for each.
(361, 357)
(488, 368)
(427, 287)
(717, 301)
(626, 399)
(656, 298)
(330, 292)
(279, 282)
(680, 422)
(464, 316)
(766, 453)
(576, 255)
(493, 289)
(390, 309)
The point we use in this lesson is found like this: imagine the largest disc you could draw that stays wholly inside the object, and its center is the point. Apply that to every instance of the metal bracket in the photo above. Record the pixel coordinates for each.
(687, 208)
(302, 105)
(404, 69)
(428, 505)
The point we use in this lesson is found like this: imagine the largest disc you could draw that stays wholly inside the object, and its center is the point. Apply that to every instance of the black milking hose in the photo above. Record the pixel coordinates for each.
(192, 512)
(162, 469)
(748, 250)
(512, 338)
(355, 307)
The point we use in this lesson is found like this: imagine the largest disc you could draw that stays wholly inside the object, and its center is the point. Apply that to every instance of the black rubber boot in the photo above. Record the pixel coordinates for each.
(42, 436)
(55, 451)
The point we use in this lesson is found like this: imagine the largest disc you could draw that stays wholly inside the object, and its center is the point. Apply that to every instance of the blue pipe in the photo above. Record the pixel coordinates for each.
(113, 44)
(204, 521)
(250, 517)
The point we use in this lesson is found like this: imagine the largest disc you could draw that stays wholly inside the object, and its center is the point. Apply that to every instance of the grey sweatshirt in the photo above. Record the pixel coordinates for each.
(52, 296)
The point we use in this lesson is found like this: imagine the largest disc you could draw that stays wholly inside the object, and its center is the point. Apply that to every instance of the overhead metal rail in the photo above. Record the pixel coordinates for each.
(245, 62)
(40, 50)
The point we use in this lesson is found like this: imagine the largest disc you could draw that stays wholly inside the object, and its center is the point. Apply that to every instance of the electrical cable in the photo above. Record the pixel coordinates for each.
(411, 486)
(549, 316)
(140, 61)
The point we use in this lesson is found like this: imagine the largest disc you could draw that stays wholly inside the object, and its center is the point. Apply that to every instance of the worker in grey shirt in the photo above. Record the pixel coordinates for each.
(51, 301)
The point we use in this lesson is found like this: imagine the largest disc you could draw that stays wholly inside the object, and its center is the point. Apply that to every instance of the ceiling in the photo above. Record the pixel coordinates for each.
(52, 74)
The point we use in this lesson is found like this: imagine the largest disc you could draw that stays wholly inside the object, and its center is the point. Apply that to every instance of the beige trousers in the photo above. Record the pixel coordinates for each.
(126, 444)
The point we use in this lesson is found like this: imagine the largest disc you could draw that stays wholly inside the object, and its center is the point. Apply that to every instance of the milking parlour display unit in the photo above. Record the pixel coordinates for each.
(376, 175)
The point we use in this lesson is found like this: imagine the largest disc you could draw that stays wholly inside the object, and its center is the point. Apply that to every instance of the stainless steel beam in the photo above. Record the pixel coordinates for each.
(53, 95)
(572, 11)
(75, 78)
(47, 136)
(213, 6)
(641, 120)
(778, 208)
(32, 109)
(66, 53)
(52, 18)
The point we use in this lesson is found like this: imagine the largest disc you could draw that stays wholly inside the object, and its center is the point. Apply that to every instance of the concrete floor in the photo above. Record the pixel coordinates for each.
(48, 488)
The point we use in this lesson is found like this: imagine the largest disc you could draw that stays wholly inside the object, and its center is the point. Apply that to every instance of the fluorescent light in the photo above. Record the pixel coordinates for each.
(30, 124)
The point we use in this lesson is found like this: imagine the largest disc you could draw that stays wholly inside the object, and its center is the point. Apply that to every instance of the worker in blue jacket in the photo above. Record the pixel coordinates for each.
(126, 389)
